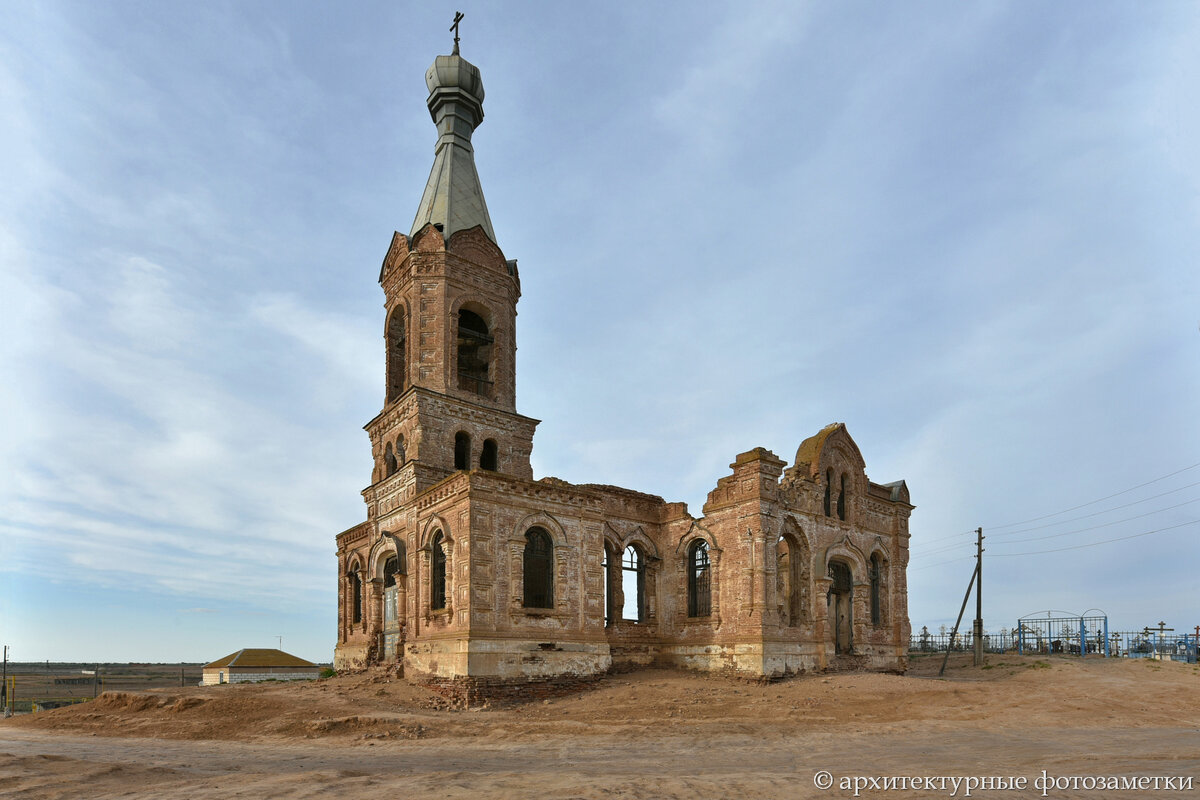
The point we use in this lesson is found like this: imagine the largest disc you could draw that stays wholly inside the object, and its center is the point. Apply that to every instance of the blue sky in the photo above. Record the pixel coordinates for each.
(968, 231)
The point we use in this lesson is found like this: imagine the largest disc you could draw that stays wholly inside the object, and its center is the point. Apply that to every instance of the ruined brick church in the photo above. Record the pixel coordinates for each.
(477, 577)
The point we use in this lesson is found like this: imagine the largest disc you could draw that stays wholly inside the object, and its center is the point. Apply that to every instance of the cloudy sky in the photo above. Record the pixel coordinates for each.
(968, 231)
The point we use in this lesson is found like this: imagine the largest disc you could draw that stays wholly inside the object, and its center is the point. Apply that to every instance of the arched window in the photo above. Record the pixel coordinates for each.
(401, 458)
(389, 461)
(437, 578)
(474, 353)
(699, 586)
(876, 608)
(462, 450)
(633, 584)
(609, 565)
(841, 504)
(785, 582)
(390, 568)
(539, 569)
(793, 568)
(828, 491)
(397, 378)
(356, 595)
(488, 458)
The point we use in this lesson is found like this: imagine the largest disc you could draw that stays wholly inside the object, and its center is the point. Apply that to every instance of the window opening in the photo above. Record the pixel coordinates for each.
(437, 599)
(876, 611)
(699, 586)
(396, 342)
(462, 450)
(390, 568)
(356, 593)
(828, 491)
(389, 461)
(608, 565)
(539, 569)
(401, 457)
(488, 458)
(784, 582)
(841, 504)
(633, 585)
(474, 353)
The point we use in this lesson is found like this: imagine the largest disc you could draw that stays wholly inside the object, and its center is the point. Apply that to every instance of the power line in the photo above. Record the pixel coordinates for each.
(917, 546)
(1073, 547)
(944, 538)
(1091, 502)
(1093, 544)
(939, 550)
(1105, 511)
(939, 563)
(1103, 525)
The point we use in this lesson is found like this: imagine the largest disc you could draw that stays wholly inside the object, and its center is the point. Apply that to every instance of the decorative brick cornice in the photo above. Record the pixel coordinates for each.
(458, 483)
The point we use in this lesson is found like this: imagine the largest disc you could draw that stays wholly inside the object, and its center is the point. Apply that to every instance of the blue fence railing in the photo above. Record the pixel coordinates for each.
(1115, 644)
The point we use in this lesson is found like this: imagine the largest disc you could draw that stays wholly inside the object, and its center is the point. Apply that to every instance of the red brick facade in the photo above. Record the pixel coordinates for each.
(473, 574)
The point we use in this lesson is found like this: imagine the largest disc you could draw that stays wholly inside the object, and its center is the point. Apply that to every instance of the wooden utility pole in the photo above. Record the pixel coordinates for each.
(954, 633)
(979, 597)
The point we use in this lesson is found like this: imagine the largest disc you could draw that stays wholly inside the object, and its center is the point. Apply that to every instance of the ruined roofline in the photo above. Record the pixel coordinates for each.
(622, 491)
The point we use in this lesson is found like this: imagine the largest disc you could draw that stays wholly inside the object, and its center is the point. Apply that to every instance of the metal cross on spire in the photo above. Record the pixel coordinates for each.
(458, 16)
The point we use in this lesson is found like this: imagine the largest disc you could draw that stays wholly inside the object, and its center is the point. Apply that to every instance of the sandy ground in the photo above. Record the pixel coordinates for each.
(647, 734)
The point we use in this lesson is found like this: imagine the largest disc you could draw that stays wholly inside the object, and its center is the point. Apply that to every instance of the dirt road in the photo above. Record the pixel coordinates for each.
(646, 735)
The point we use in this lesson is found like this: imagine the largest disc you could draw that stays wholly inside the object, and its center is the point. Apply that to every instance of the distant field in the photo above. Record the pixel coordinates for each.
(49, 685)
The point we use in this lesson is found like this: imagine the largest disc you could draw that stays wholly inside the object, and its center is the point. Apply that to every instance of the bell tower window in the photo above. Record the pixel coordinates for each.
(462, 450)
(397, 378)
(474, 354)
(488, 458)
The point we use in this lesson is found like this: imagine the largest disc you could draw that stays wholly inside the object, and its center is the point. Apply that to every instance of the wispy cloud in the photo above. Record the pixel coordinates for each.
(964, 231)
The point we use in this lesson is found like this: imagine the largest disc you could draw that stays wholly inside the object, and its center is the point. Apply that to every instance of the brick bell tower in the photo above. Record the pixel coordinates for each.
(450, 324)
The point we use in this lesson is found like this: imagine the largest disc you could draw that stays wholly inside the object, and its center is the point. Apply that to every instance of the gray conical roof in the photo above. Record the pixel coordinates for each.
(453, 197)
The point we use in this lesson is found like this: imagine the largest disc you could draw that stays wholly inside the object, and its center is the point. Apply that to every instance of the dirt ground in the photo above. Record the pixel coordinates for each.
(648, 734)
